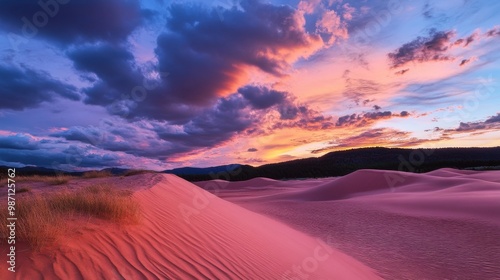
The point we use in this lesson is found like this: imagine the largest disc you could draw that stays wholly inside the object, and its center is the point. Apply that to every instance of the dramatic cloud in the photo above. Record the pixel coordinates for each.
(252, 150)
(138, 138)
(262, 97)
(206, 56)
(114, 67)
(435, 47)
(367, 119)
(226, 119)
(79, 158)
(375, 137)
(22, 88)
(493, 32)
(74, 21)
(423, 49)
(18, 142)
(492, 123)
(242, 113)
(25, 149)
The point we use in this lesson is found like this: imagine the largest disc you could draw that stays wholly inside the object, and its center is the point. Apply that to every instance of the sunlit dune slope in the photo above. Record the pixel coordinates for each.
(439, 225)
(188, 233)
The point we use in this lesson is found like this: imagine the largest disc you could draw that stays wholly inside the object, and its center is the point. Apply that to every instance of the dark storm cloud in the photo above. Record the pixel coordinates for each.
(90, 135)
(22, 88)
(49, 152)
(423, 49)
(72, 21)
(113, 65)
(238, 114)
(121, 85)
(64, 159)
(214, 126)
(161, 140)
(116, 135)
(206, 56)
(18, 142)
(262, 97)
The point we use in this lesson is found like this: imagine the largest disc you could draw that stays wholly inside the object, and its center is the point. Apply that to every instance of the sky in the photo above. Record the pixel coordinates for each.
(92, 84)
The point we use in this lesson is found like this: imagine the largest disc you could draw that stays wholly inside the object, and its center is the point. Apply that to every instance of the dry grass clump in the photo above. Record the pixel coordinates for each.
(97, 174)
(136, 172)
(98, 201)
(52, 180)
(42, 219)
(23, 189)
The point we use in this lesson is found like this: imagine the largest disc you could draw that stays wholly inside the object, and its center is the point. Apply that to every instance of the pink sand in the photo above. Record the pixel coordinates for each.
(188, 233)
(439, 225)
(370, 224)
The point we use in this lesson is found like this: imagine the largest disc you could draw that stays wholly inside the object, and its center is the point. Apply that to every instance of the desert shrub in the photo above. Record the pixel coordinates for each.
(97, 174)
(98, 201)
(52, 180)
(136, 172)
(23, 189)
(42, 219)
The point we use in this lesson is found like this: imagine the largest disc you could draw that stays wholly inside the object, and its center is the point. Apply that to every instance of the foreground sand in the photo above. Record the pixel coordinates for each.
(366, 225)
(439, 225)
(187, 233)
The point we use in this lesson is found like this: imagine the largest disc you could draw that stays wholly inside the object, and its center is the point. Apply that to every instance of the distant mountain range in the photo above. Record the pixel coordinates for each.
(332, 164)
(188, 171)
(344, 162)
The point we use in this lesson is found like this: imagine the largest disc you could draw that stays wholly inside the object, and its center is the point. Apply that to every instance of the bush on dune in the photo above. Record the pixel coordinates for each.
(52, 180)
(136, 172)
(97, 174)
(98, 201)
(42, 219)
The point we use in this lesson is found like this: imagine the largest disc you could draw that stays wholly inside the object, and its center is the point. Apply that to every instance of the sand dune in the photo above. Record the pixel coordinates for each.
(439, 225)
(188, 233)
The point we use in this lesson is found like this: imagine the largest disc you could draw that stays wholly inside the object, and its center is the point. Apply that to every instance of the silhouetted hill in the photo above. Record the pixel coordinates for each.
(344, 162)
(332, 164)
(202, 171)
(116, 171)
